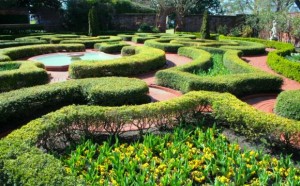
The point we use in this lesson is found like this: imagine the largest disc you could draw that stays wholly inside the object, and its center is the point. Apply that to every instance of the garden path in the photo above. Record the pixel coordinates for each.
(266, 102)
(157, 93)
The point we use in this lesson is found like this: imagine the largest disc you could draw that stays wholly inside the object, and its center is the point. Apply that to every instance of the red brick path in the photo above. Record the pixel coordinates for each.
(266, 102)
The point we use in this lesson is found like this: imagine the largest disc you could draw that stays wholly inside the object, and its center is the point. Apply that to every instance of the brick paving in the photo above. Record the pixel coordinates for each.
(266, 102)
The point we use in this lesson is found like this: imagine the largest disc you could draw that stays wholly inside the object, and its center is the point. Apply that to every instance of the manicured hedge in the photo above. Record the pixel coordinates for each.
(112, 91)
(13, 43)
(244, 80)
(15, 53)
(89, 43)
(142, 39)
(21, 74)
(110, 47)
(248, 48)
(145, 59)
(163, 44)
(6, 37)
(203, 43)
(23, 163)
(288, 104)
(126, 37)
(276, 58)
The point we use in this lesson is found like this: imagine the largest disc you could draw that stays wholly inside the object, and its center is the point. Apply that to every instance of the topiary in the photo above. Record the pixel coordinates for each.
(93, 22)
(205, 26)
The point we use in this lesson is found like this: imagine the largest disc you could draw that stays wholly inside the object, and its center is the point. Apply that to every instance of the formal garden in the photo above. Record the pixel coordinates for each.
(146, 107)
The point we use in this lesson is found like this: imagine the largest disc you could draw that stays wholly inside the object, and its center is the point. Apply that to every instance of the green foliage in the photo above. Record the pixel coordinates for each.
(110, 47)
(29, 51)
(21, 28)
(243, 80)
(247, 47)
(217, 69)
(18, 74)
(13, 43)
(288, 104)
(222, 29)
(145, 59)
(163, 44)
(104, 91)
(142, 39)
(276, 59)
(205, 33)
(94, 26)
(20, 156)
(185, 157)
(89, 42)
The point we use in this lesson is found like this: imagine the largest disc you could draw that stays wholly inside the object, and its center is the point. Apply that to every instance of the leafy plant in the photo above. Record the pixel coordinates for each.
(205, 30)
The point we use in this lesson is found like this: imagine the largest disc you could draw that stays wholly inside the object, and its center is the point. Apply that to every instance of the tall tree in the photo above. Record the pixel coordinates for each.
(31, 5)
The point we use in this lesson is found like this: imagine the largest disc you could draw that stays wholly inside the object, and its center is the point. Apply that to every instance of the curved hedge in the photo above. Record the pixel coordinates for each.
(288, 104)
(110, 47)
(12, 43)
(15, 53)
(23, 163)
(276, 58)
(248, 48)
(142, 39)
(18, 74)
(244, 80)
(145, 59)
(163, 44)
(90, 42)
(126, 37)
(109, 91)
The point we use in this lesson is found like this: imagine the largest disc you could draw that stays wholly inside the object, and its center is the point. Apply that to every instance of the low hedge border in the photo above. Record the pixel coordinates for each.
(89, 43)
(110, 47)
(126, 37)
(163, 44)
(245, 79)
(145, 59)
(276, 58)
(15, 53)
(23, 74)
(142, 39)
(23, 163)
(109, 91)
(288, 104)
(13, 43)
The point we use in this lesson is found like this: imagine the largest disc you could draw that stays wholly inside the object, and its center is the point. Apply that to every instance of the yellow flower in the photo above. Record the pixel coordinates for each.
(223, 179)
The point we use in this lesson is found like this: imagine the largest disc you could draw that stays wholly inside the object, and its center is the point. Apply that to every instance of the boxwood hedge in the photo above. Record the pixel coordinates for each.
(15, 53)
(110, 47)
(90, 42)
(18, 74)
(244, 80)
(145, 59)
(276, 58)
(12, 43)
(22, 162)
(112, 91)
(163, 44)
(288, 104)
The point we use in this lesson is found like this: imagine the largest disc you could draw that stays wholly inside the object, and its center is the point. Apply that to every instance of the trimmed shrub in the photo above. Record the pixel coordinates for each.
(94, 26)
(244, 79)
(204, 43)
(15, 53)
(142, 39)
(18, 74)
(276, 59)
(248, 48)
(110, 47)
(90, 42)
(145, 59)
(109, 91)
(163, 44)
(21, 43)
(205, 30)
(288, 104)
(23, 163)
(126, 37)
(6, 37)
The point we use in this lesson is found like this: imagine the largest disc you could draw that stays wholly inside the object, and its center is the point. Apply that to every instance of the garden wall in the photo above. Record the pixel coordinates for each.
(131, 22)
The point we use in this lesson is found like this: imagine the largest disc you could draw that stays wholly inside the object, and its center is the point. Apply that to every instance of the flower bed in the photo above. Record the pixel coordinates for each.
(184, 157)
(23, 163)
